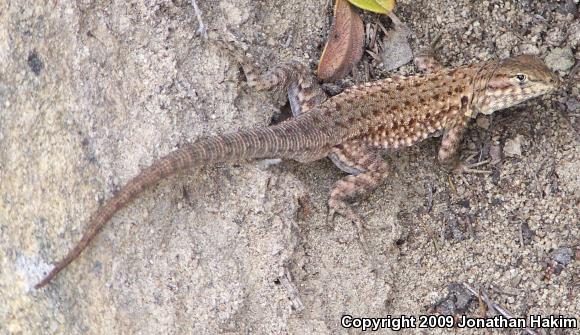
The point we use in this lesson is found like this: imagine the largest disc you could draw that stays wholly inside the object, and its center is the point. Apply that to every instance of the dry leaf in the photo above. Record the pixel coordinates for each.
(377, 6)
(345, 44)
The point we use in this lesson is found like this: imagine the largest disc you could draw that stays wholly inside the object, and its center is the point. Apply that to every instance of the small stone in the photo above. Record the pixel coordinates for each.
(562, 255)
(483, 122)
(458, 300)
(495, 153)
(506, 41)
(555, 37)
(560, 59)
(573, 35)
(569, 7)
(529, 49)
(573, 105)
(396, 51)
(527, 233)
(513, 147)
(516, 280)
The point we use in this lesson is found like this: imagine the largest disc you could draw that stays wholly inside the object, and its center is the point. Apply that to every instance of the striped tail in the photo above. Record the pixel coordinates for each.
(286, 140)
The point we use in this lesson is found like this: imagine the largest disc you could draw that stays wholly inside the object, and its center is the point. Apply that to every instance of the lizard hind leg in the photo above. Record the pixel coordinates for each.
(304, 91)
(369, 172)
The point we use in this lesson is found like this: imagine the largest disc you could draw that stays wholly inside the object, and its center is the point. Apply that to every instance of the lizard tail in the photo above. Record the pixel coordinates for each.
(278, 141)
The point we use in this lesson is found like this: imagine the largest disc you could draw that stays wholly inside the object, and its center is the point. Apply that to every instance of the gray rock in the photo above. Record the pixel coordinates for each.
(396, 49)
(560, 59)
(562, 255)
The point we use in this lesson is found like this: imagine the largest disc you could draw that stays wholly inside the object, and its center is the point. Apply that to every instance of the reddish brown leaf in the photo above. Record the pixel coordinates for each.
(345, 44)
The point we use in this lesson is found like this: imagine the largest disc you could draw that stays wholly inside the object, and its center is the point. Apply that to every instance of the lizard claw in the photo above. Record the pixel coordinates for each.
(464, 168)
(470, 168)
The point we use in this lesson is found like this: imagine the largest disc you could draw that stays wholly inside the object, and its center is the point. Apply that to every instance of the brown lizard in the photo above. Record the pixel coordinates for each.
(352, 128)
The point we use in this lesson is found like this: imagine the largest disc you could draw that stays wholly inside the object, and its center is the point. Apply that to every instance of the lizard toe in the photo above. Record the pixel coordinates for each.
(465, 168)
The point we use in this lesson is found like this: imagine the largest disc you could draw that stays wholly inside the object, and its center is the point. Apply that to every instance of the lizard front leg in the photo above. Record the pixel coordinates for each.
(369, 171)
(449, 151)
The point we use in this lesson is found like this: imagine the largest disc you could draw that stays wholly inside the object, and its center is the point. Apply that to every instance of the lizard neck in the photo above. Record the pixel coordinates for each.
(480, 83)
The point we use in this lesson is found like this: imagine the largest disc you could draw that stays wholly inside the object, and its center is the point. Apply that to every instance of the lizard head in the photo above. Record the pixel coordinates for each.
(513, 81)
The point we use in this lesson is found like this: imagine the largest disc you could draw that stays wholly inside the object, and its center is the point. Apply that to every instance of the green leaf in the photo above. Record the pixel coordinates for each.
(377, 6)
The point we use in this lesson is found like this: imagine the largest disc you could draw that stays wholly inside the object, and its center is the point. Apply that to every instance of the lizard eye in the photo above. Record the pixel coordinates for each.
(521, 77)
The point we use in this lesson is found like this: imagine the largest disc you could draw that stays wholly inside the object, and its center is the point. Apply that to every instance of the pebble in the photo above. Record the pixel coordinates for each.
(483, 122)
(397, 51)
(573, 105)
(562, 255)
(560, 59)
(513, 147)
(495, 153)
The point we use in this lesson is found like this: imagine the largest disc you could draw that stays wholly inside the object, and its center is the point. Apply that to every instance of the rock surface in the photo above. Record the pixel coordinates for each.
(91, 92)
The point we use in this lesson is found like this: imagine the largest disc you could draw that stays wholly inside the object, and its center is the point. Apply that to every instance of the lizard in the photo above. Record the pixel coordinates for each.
(352, 128)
